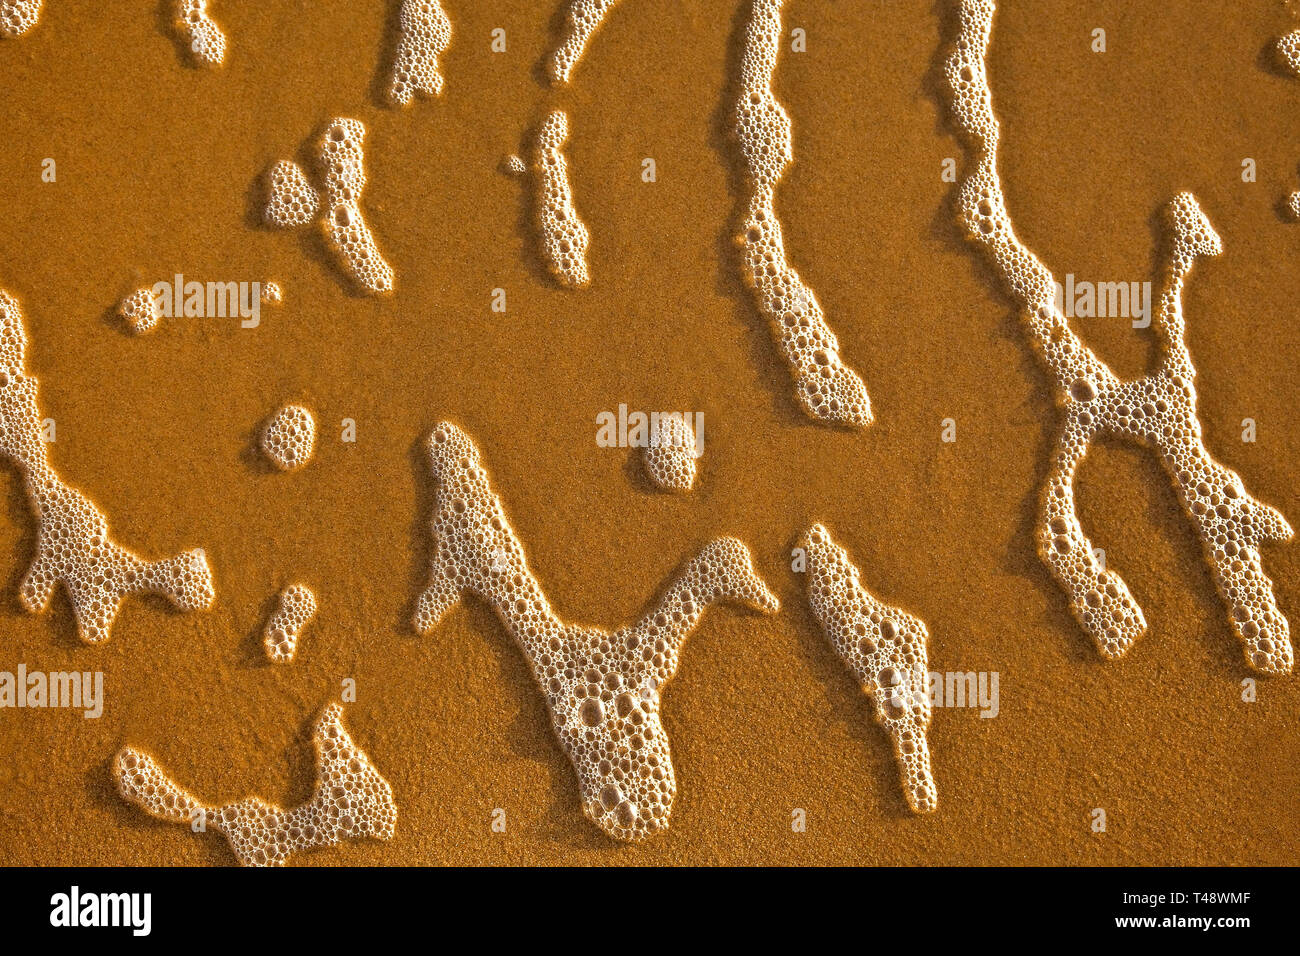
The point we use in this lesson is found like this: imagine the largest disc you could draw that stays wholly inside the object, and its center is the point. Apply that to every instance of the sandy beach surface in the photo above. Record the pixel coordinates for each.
(160, 171)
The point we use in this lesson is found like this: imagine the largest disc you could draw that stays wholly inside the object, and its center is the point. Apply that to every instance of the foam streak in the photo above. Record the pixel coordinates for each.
(602, 689)
(825, 387)
(351, 800)
(73, 545)
(1157, 410)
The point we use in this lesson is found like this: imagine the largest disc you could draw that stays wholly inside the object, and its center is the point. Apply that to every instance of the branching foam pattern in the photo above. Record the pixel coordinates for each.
(1157, 410)
(18, 16)
(284, 627)
(351, 801)
(425, 33)
(580, 23)
(564, 235)
(293, 202)
(602, 689)
(73, 545)
(200, 32)
(885, 649)
(825, 387)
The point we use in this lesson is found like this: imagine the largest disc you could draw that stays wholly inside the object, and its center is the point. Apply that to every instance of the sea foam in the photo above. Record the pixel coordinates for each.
(351, 800)
(825, 387)
(73, 544)
(602, 689)
(1157, 411)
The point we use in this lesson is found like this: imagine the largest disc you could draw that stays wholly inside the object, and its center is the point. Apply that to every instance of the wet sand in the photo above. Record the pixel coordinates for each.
(157, 166)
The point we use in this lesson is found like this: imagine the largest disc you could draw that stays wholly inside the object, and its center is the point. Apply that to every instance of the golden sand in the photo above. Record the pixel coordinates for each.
(160, 170)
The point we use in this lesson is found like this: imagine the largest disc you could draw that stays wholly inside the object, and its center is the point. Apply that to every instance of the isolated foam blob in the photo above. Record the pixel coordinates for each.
(73, 545)
(289, 437)
(271, 293)
(1157, 410)
(670, 456)
(581, 21)
(140, 311)
(602, 689)
(564, 235)
(351, 801)
(285, 625)
(18, 16)
(424, 34)
(199, 32)
(293, 202)
(825, 387)
(885, 648)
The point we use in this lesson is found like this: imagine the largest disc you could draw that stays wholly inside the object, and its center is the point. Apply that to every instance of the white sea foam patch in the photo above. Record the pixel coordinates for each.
(636, 429)
(67, 690)
(75, 908)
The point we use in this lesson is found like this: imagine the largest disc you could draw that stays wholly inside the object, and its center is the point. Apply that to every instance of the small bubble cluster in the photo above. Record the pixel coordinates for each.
(200, 32)
(1288, 48)
(271, 293)
(825, 387)
(289, 437)
(284, 627)
(140, 310)
(602, 689)
(670, 456)
(424, 34)
(73, 545)
(1157, 411)
(885, 649)
(293, 202)
(18, 16)
(581, 21)
(564, 235)
(351, 800)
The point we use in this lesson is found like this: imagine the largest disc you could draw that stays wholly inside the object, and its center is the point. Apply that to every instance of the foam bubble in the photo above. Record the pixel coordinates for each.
(284, 627)
(885, 648)
(1157, 410)
(825, 387)
(73, 545)
(351, 800)
(425, 33)
(200, 33)
(564, 235)
(140, 310)
(271, 293)
(18, 16)
(1288, 48)
(581, 21)
(289, 437)
(293, 202)
(670, 456)
(602, 689)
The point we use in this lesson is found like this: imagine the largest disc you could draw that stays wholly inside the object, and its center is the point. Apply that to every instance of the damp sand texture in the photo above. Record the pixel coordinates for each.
(161, 170)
